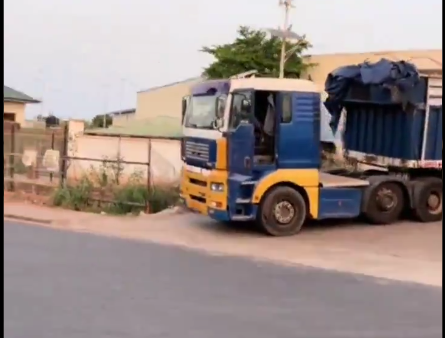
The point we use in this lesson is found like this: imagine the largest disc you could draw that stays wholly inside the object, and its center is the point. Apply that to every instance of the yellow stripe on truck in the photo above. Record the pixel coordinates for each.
(221, 154)
(307, 179)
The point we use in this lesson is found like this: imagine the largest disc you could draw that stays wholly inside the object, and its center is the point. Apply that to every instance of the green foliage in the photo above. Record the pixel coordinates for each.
(252, 49)
(98, 121)
(161, 198)
(74, 197)
(133, 198)
(99, 190)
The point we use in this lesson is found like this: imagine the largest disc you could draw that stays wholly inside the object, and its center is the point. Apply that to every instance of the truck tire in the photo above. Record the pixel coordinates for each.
(385, 203)
(282, 212)
(427, 200)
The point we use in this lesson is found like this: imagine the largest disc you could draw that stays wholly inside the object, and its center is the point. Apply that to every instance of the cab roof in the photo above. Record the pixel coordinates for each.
(274, 84)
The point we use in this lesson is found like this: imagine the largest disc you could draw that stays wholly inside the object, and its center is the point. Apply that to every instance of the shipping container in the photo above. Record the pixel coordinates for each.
(383, 129)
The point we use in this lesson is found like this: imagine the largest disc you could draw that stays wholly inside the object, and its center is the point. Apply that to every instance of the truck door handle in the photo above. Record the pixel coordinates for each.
(247, 162)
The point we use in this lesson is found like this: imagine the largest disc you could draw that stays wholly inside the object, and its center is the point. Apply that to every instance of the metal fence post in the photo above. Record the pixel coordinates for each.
(119, 161)
(63, 166)
(11, 158)
(149, 165)
(52, 148)
(147, 202)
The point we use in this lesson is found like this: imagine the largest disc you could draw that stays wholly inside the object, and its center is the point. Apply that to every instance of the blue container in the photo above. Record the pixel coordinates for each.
(387, 133)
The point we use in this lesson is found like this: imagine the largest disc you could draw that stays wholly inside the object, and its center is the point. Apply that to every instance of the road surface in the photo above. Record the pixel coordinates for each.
(60, 284)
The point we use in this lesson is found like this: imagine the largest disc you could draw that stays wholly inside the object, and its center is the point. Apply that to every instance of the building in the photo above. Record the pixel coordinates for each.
(425, 60)
(163, 101)
(122, 117)
(14, 105)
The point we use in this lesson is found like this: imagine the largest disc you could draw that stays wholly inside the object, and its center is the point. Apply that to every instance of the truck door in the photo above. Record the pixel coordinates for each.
(298, 132)
(240, 136)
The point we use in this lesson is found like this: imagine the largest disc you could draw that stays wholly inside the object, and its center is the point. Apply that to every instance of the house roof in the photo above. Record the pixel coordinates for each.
(10, 94)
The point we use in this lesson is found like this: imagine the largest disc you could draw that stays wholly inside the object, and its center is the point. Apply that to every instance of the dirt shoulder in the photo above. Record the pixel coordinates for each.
(405, 251)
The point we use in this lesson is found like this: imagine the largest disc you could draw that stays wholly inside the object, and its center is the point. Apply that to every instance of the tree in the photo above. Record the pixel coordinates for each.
(98, 121)
(253, 49)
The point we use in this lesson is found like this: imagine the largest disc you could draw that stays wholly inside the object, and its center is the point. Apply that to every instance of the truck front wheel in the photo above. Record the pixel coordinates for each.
(385, 203)
(282, 212)
(428, 195)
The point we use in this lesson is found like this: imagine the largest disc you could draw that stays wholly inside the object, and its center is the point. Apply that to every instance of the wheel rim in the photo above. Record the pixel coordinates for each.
(284, 212)
(386, 200)
(434, 203)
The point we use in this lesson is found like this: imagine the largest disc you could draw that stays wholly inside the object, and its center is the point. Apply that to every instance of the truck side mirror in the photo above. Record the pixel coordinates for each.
(185, 101)
(218, 123)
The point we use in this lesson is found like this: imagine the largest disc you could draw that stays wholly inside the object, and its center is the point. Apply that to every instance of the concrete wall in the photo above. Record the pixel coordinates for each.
(16, 108)
(164, 156)
(326, 63)
(122, 119)
(163, 101)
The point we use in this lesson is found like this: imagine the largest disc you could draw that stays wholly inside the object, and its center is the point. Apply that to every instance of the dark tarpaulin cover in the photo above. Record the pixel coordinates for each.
(400, 74)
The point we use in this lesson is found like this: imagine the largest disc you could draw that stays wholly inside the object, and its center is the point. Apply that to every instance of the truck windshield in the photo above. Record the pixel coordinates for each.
(201, 111)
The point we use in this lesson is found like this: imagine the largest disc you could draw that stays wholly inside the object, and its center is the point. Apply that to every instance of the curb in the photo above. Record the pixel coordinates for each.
(27, 219)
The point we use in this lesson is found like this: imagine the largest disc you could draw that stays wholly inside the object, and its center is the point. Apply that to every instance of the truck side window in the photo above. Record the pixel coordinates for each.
(237, 110)
(286, 110)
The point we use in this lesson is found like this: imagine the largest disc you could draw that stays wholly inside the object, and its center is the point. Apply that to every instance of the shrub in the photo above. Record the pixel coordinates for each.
(161, 198)
(130, 198)
(76, 197)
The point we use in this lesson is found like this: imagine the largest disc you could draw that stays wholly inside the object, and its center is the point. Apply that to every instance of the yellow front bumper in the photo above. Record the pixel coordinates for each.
(196, 192)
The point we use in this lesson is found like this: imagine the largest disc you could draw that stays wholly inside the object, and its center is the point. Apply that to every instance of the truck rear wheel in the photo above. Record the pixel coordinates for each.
(428, 195)
(282, 212)
(385, 203)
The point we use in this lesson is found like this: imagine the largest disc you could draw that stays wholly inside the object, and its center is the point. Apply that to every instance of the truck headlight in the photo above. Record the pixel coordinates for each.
(218, 187)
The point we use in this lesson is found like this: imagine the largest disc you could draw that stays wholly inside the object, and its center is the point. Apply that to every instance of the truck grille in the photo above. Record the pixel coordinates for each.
(197, 151)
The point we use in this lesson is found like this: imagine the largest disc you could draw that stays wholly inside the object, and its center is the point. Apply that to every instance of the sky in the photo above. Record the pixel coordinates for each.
(86, 57)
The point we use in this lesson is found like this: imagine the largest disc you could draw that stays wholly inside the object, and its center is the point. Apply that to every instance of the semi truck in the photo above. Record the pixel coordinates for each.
(251, 148)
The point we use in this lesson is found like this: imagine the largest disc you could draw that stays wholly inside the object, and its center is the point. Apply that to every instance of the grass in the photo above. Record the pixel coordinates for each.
(100, 191)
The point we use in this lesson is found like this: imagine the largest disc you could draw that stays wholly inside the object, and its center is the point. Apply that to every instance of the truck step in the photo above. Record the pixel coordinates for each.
(248, 183)
(242, 218)
(243, 201)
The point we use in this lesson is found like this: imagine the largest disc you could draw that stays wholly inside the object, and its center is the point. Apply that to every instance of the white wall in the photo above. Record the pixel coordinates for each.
(163, 155)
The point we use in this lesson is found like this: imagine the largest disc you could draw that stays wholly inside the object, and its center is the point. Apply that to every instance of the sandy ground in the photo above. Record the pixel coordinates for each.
(404, 251)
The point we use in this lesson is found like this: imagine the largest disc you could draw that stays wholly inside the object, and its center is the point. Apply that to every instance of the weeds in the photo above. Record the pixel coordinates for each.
(74, 197)
(99, 190)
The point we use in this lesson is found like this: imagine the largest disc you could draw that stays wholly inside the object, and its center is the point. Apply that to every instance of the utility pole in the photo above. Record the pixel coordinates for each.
(287, 6)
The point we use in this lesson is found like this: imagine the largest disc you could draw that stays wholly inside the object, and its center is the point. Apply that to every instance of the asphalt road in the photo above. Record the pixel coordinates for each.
(70, 285)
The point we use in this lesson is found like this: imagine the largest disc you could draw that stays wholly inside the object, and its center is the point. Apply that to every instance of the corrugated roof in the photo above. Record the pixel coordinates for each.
(10, 94)
(123, 112)
(159, 127)
(171, 84)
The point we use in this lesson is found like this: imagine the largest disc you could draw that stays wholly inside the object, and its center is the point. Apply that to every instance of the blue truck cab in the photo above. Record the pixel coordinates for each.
(252, 152)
